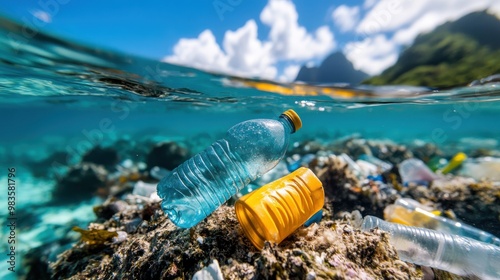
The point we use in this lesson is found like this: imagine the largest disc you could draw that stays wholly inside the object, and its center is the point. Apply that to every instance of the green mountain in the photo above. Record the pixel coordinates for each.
(454, 54)
(334, 69)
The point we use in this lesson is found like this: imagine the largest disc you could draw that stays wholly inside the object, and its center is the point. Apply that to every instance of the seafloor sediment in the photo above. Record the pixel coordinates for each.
(156, 249)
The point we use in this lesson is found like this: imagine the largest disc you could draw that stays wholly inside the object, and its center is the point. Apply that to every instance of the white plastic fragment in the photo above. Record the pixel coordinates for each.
(384, 166)
(367, 168)
(482, 168)
(311, 275)
(415, 170)
(144, 189)
(122, 236)
(211, 272)
(158, 173)
(353, 166)
(154, 197)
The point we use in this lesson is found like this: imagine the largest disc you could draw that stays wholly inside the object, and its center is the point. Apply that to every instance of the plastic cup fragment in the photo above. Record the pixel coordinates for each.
(415, 170)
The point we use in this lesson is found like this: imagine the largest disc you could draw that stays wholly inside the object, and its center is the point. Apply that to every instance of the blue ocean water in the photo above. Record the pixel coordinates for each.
(59, 95)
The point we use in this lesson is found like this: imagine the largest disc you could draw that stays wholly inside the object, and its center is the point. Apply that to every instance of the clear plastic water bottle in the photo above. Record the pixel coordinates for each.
(448, 252)
(196, 188)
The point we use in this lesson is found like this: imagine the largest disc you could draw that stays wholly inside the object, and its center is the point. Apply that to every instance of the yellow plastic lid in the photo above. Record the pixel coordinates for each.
(294, 117)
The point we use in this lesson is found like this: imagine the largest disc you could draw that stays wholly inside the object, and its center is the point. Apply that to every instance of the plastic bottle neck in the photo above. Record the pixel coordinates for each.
(287, 123)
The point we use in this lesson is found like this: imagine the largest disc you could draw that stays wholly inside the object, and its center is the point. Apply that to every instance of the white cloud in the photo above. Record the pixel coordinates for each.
(243, 54)
(290, 73)
(387, 14)
(247, 55)
(290, 41)
(406, 19)
(495, 9)
(42, 15)
(346, 17)
(425, 24)
(438, 13)
(373, 54)
(393, 15)
(369, 3)
(202, 52)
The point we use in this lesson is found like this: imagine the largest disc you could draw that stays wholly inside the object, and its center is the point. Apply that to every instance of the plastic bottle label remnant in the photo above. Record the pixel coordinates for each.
(274, 211)
(200, 185)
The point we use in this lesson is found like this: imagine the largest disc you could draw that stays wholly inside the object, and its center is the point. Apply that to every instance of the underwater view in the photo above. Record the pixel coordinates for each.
(117, 165)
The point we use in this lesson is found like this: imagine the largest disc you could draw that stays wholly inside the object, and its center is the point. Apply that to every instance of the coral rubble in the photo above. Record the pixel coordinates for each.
(159, 250)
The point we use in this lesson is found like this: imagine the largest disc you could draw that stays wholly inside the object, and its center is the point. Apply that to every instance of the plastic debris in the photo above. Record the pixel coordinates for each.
(144, 189)
(437, 163)
(411, 213)
(415, 170)
(448, 252)
(275, 210)
(376, 178)
(211, 272)
(355, 168)
(367, 168)
(316, 218)
(121, 236)
(158, 172)
(302, 161)
(201, 184)
(482, 168)
(382, 165)
(455, 162)
(95, 236)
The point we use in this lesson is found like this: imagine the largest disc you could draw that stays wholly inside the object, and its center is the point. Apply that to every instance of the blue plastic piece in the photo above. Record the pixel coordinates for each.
(294, 165)
(304, 160)
(376, 178)
(316, 218)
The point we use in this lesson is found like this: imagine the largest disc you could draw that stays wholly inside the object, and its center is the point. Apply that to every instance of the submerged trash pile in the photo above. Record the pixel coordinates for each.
(157, 249)
(305, 224)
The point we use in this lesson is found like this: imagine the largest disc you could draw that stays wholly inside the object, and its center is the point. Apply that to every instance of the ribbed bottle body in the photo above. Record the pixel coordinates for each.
(453, 253)
(201, 184)
(274, 211)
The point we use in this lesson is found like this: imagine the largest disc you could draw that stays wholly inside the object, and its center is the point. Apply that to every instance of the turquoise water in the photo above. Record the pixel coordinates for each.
(58, 95)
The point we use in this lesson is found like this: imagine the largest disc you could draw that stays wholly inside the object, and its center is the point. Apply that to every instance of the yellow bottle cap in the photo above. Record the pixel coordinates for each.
(275, 210)
(294, 118)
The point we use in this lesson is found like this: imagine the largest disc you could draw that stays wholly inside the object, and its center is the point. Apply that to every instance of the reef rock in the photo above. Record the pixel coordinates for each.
(108, 157)
(80, 182)
(160, 250)
(168, 155)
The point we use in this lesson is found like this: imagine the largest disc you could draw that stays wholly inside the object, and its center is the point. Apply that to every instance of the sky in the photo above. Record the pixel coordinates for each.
(268, 39)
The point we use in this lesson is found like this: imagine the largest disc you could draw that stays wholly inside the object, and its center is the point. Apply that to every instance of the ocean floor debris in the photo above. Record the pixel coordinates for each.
(346, 192)
(148, 245)
(159, 250)
(475, 203)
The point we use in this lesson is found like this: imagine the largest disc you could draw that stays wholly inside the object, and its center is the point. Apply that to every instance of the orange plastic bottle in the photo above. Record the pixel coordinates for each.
(277, 209)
